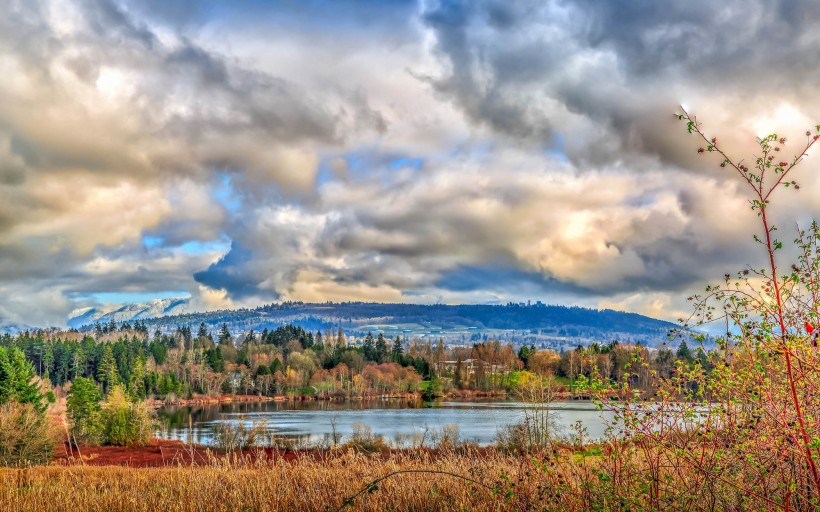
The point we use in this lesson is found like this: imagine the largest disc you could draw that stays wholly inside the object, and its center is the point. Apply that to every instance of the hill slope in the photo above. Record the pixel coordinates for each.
(543, 325)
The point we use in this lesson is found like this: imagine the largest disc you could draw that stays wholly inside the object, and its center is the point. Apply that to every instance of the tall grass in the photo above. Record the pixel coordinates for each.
(595, 478)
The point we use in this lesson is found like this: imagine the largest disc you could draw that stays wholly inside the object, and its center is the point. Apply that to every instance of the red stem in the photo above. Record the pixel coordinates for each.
(787, 350)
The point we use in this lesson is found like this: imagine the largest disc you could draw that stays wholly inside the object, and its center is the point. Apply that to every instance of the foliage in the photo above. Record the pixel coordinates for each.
(125, 423)
(539, 427)
(84, 411)
(18, 381)
(364, 439)
(241, 436)
(26, 435)
(735, 428)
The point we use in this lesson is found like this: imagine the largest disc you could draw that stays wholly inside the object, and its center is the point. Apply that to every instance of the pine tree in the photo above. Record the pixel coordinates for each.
(107, 373)
(369, 347)
(136, 383)
(83, 408)
(202, 334)
(18, 382)
(275, 366)
(79, 363)
(225, 338)
(458, 380)
(381, 348)
(398, 350)
(684, 353)
(186, 336)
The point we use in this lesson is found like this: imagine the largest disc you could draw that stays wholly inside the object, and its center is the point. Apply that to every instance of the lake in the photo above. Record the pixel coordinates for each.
(312, 422)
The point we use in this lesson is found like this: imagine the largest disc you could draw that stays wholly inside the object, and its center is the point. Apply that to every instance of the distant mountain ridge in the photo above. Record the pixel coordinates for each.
(7, 327)
(128, 312)
(539, 324)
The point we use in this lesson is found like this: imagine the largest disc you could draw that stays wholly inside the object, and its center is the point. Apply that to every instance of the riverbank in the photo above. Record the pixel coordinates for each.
(169, 453)
(236, 398)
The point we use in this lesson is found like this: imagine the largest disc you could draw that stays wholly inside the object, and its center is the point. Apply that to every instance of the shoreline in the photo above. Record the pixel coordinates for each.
(236, 398)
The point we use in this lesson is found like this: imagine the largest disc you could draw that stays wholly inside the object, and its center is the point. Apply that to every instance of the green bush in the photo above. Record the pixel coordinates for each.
(125, 423)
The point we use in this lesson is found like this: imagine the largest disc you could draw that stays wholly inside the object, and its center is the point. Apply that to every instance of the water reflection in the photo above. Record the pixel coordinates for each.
(313, 422)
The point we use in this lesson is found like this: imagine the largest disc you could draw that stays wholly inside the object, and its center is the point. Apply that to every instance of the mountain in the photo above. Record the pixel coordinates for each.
(7, 327)
(540, 324)
(127, 312)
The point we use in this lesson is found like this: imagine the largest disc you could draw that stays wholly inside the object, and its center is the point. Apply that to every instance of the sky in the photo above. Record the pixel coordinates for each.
(245, 152)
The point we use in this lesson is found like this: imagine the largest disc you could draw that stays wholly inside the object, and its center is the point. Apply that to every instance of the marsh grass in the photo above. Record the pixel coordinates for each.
(599, 477)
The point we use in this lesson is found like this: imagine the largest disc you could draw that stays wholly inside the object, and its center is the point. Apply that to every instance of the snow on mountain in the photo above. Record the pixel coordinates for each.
(13, 328)
(128, 312)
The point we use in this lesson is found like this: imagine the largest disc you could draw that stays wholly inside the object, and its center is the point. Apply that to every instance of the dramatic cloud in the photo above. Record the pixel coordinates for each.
(475, 151)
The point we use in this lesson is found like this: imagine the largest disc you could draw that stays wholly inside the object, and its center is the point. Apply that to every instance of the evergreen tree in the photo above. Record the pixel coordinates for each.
(213, 357)
(398, 350)
(458, 380)
(275, 366)
(18, 382)
(83, 408)
(107, 373)
(684, 353)
(225, 338)
(381, 348)
(185, 331)
(79, 363)
(48, 360)
(202, 334)
(136, 382)
(369, 347)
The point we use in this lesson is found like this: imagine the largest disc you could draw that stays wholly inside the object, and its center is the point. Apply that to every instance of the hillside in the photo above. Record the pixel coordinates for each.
(127, 312)
(540, 324)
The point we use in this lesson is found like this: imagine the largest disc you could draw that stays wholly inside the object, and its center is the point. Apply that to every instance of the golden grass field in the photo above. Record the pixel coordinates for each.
(304, 484)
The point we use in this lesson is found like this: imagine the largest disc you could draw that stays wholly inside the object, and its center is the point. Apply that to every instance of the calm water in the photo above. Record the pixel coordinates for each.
(312, 421)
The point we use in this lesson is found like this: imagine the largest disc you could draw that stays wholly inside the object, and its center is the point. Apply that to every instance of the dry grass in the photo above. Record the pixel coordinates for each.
(305, 484)
(565, 480)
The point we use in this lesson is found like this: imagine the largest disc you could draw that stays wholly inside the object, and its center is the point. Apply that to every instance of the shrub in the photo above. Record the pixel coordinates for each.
(448, 437)
(125, 423)
(26, 435)
(231, 437)
(364, 439)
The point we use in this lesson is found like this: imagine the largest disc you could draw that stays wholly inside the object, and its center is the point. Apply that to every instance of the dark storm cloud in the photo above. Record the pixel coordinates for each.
(609, 72)
(230, 273)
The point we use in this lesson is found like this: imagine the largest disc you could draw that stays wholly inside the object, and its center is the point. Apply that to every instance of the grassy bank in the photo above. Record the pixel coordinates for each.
(592, 478)
(301, 484)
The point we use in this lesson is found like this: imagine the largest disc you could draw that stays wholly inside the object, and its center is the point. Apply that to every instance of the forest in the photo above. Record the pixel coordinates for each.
(289, 360)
